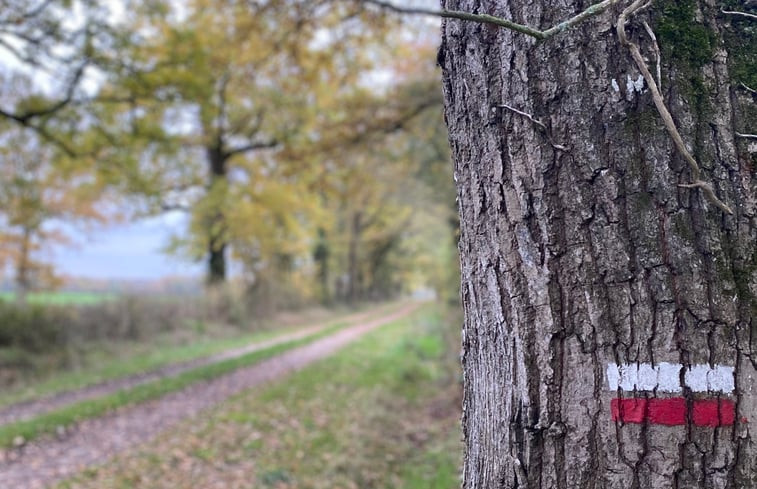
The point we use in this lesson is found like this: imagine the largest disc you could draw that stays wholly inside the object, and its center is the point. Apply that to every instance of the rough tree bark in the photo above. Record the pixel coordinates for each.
(580, 261)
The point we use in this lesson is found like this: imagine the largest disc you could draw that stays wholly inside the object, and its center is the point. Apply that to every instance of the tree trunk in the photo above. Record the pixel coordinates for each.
(217, 241)
(216, 262)
(23, 267)
(610, 315)
(354, 288)
(321, 255)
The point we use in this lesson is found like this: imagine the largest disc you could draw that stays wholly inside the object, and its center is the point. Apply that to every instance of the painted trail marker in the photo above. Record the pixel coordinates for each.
(667, 378)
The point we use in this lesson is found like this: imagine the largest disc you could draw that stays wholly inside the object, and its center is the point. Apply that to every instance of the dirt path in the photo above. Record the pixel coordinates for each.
(29, 409)
(41, 463)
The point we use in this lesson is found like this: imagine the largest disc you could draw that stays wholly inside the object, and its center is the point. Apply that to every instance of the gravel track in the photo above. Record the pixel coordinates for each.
(29, 409)
(92, 442)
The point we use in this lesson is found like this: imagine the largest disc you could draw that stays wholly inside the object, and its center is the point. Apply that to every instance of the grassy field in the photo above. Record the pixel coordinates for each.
(111, 361)
(48, 423)
(63, 298)
(382, 413)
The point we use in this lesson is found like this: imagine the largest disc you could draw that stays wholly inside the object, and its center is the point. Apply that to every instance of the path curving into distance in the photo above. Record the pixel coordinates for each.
(44, 462)
(29, 409)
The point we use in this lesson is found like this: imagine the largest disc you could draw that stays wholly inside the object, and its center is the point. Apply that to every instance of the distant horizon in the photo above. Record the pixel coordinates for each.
(114, 285)
(123, 252)
(132, 251)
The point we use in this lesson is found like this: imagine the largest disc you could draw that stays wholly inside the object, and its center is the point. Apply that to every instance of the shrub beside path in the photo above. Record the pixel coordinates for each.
(43, 462)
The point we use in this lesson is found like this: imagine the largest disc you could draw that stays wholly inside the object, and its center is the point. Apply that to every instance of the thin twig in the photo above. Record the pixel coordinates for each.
(746, 136)
(748, 89)
(663, 110)
(536, 122)
(709, 192)
(524, 114)
(593, 10)
(743, 14)
(455, 14)
(656, 48)
(643, 7)
(25, 118)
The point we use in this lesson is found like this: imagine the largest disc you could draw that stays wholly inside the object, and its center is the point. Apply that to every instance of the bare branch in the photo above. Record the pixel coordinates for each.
(34, 11)
(595, 9)
(50, 137)
(16, 53)
(538, 123)
(662, 109)
(524, 114)
(25, 117)
(43, 132)
(252, 147)
(454, 14)
(742, 14)
(748, 89)
(68, 97)
(709, 192)
(166, 207)
(746, 136)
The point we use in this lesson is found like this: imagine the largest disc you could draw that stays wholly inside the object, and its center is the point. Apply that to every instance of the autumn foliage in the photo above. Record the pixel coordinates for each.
(303, 140)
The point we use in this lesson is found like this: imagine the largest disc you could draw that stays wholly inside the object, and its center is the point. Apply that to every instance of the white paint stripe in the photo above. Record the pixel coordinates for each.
(702, 378)
(665, 377)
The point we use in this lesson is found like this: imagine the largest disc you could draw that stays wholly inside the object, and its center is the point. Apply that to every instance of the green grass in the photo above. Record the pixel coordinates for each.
(108, 361)
(381, 413)
(49, 422)
(103, 365)
(63, 298)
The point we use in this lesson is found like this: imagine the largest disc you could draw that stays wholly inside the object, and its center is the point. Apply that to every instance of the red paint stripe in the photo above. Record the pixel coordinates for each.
(713, 412)
(672, 412)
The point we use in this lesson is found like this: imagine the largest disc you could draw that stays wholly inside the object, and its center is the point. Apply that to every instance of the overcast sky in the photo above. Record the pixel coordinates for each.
(127, 251)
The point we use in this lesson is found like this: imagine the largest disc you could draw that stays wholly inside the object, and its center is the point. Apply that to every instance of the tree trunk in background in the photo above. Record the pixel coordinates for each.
(321, 255)
(23, 268)
(216, 262)
(217, 161)
(354, 288)
(604, 306)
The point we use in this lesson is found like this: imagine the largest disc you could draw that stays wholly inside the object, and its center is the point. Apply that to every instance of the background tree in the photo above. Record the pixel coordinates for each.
(279, 127)
(41, 200)
(229, 86)
(609, 335)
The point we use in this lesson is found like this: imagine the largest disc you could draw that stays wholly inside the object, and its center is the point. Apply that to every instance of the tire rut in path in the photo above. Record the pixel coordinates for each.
(28, 409)
(94, 441)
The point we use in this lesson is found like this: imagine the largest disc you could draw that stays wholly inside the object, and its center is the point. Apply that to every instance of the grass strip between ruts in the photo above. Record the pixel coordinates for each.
(48, 423)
